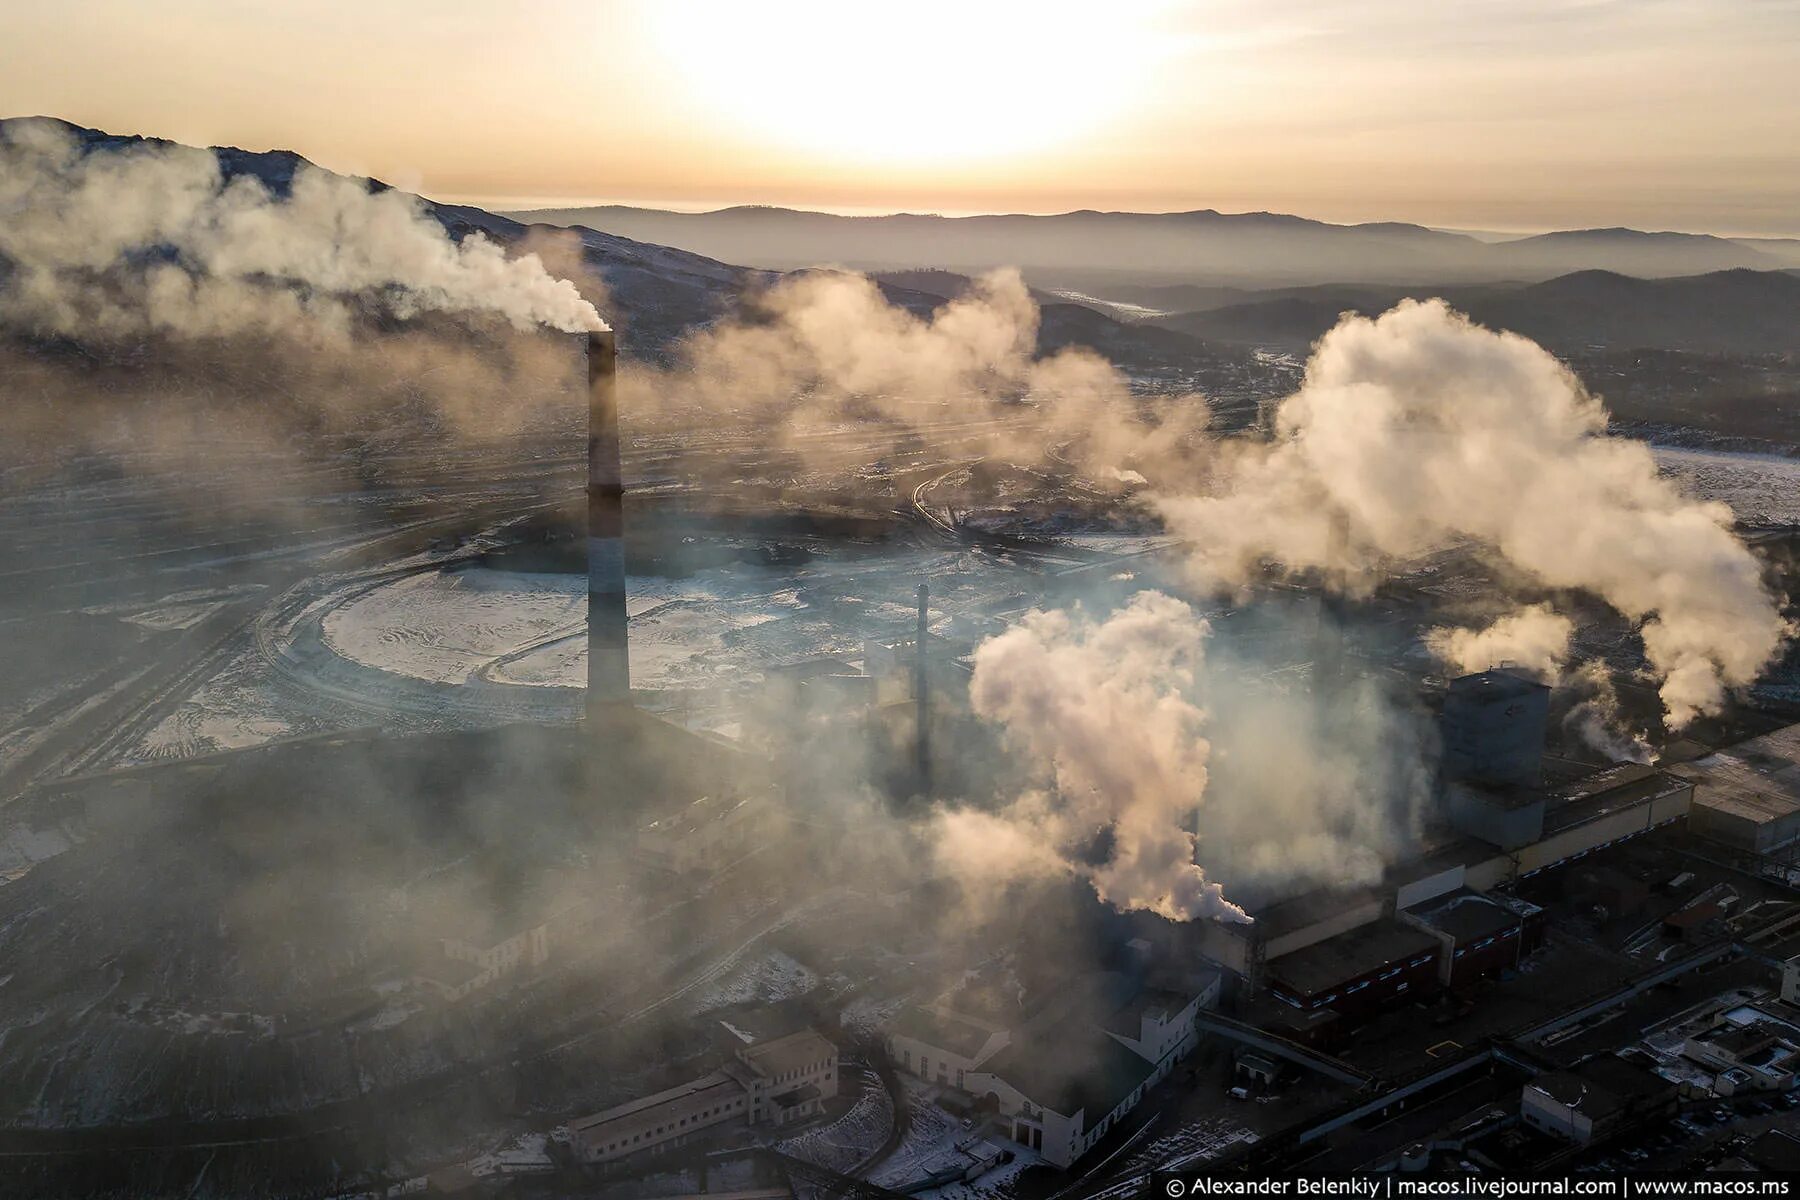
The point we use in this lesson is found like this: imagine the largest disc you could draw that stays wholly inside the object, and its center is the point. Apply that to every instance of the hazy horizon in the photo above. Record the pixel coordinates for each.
(1549, 114)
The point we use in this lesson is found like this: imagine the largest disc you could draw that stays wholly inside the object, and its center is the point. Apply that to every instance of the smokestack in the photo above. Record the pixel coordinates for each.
(609, 663)
(921, 685)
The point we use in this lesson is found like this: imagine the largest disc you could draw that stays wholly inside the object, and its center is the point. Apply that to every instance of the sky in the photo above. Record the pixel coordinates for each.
(1476, 114)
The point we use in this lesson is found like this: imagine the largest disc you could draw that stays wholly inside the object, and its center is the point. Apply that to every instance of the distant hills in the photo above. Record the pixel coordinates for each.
(1097, 250)
(1720, 312)
(656, 294)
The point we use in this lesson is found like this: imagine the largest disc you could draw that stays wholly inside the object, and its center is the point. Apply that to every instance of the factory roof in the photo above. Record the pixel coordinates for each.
(1729, 784)
(1495, 684)
(1349, 956)
(797, 1053)
(1775, 1150)
(1500, 795)
(1308, 908)
(1613, 790)
(1758, 779)
(671, 1104)
(1602, 1085)
(1572, 1091)
(1073, 1068)
(1466, 916)
(947, 1030)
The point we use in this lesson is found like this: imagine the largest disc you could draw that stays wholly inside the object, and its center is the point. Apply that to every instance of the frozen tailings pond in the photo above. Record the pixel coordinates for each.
(435, 646)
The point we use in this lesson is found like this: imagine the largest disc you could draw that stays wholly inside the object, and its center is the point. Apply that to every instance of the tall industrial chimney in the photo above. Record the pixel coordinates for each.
(609, 663)
(922, 687)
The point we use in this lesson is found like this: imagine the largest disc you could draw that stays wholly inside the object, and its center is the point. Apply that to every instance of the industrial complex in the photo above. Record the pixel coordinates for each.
(672, 955)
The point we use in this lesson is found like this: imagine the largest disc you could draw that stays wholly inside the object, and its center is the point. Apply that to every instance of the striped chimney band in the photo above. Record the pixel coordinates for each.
(609, 664)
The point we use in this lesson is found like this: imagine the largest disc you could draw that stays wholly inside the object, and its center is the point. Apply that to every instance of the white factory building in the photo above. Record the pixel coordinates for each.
(1066, 1072)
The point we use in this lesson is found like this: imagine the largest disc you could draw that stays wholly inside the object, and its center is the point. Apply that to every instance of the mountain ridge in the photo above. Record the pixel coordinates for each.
(1090, 249)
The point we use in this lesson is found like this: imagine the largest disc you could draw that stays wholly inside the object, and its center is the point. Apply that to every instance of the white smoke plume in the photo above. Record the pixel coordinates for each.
(1596, 718)
(1107, 707)
(1534, 638)
(820, 347)
(154, 239)
(1419, 429)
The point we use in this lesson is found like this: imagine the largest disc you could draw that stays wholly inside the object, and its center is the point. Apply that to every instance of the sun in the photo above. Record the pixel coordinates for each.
(921, 83)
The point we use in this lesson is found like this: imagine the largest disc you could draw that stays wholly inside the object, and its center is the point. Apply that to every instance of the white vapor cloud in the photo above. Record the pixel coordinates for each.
(1419, 429)
(1534, 638)
(1107, 707)
(153, 239)
(819, 347)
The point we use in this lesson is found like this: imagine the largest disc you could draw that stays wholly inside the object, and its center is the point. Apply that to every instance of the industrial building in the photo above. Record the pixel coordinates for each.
(778, 1082)
(1492, 725)
(941, 1045)
(1596, 1099)
(1749, 796)
(663, 1120)
(1753, 1049)
(1499, 833)
(709, 834)
(503, 949)
(1478, 935)
(1357, 974)
(1071, 1066)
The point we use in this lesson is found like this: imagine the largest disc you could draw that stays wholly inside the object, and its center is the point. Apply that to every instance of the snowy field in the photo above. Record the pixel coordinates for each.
(1763, 489)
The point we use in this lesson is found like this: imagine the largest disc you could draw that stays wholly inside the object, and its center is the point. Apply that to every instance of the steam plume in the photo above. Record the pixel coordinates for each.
(1596, 719)
(818, 347)
(1535, 638)
(1107, 706)
(154, 239)
(1420, 429)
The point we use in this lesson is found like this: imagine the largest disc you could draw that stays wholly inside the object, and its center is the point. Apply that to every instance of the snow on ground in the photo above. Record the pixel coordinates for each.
(767, 978)
(444, 626)
(868, 1016)
(389, 1015)
(995, 1183)
(845, 1143)
(931, 1134)
(1197, 1142)
(1760, 488)
(175, 616)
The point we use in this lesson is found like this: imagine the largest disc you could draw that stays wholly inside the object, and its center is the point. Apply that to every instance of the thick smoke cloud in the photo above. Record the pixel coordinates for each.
(1108, 708)
(819, 348)
(1419, 429)
(154, 239)
(1534, 638)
